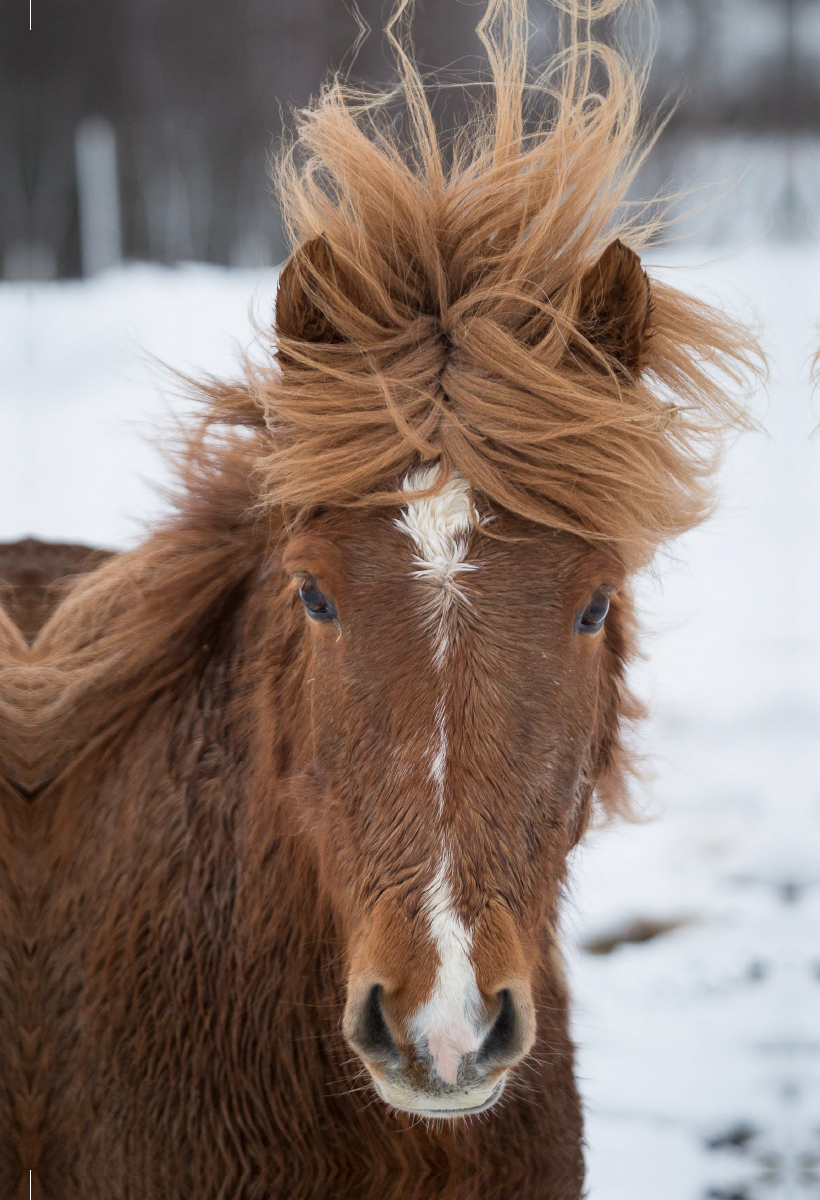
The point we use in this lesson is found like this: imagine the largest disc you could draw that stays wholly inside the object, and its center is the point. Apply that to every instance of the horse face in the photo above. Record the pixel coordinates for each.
(463, 693)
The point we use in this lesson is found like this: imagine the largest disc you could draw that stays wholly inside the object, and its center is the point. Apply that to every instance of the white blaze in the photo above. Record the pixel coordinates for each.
(448, 1023)
(439, 525)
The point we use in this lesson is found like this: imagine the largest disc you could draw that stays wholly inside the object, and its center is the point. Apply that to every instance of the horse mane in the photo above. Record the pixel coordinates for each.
(150, 620)
(34, 576)
(448, 282)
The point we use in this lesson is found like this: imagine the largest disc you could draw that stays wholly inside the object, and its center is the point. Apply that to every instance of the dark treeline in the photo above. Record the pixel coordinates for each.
(197, 91)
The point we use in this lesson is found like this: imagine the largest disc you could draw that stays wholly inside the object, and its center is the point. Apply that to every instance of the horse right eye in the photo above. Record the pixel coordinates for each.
(317, 605)
(594, 615)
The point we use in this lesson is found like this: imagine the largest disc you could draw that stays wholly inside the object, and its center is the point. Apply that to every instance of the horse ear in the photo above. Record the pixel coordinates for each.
(298, 316)
(616, 305)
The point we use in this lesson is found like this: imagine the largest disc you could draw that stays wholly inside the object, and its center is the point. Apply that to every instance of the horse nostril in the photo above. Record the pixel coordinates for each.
(504, 1044)
(372, 1036)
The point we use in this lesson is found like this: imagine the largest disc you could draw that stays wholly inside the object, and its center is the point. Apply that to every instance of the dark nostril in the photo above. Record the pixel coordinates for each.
(504, 1043)
(372, 1034)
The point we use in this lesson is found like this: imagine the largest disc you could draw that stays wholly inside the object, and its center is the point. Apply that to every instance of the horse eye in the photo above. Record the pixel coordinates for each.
(594, 615)
(317, 605)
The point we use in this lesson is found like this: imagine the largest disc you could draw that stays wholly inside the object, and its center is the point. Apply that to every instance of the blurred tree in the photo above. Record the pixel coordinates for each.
(197, 91)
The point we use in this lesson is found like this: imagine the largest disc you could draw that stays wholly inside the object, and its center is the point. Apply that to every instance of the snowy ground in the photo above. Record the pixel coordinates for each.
(699, 1048)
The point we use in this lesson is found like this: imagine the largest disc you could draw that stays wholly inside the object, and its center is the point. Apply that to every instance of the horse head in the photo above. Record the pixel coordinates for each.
(464, 673)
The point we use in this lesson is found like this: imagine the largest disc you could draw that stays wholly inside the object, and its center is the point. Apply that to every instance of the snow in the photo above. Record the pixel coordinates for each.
(699, 1050)
(85, 397)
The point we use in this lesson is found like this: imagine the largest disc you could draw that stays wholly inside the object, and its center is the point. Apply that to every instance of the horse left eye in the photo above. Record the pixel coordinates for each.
(317, 605)
(594, 615)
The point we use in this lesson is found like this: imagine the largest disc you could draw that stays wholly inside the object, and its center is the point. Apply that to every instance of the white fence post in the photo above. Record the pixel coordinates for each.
(95, 145)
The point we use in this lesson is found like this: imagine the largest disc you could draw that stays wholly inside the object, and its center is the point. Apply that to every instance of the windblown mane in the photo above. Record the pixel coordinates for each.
(150, 620)
(450, 322)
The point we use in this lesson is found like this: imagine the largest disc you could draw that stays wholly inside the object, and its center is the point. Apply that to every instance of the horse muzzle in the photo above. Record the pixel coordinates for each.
(448, 1072)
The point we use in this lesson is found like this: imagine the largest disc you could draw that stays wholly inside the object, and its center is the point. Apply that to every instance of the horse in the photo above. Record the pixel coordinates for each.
(314, 755)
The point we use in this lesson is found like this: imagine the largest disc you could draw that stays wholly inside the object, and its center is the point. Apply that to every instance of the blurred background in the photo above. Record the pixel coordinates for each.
(137, 226)
(154, 119)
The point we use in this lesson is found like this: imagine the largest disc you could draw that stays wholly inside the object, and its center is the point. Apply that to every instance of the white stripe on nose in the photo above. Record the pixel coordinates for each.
(448, 1025)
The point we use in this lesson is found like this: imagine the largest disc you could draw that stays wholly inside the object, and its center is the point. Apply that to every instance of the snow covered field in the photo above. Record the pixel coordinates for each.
(699, 1049)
